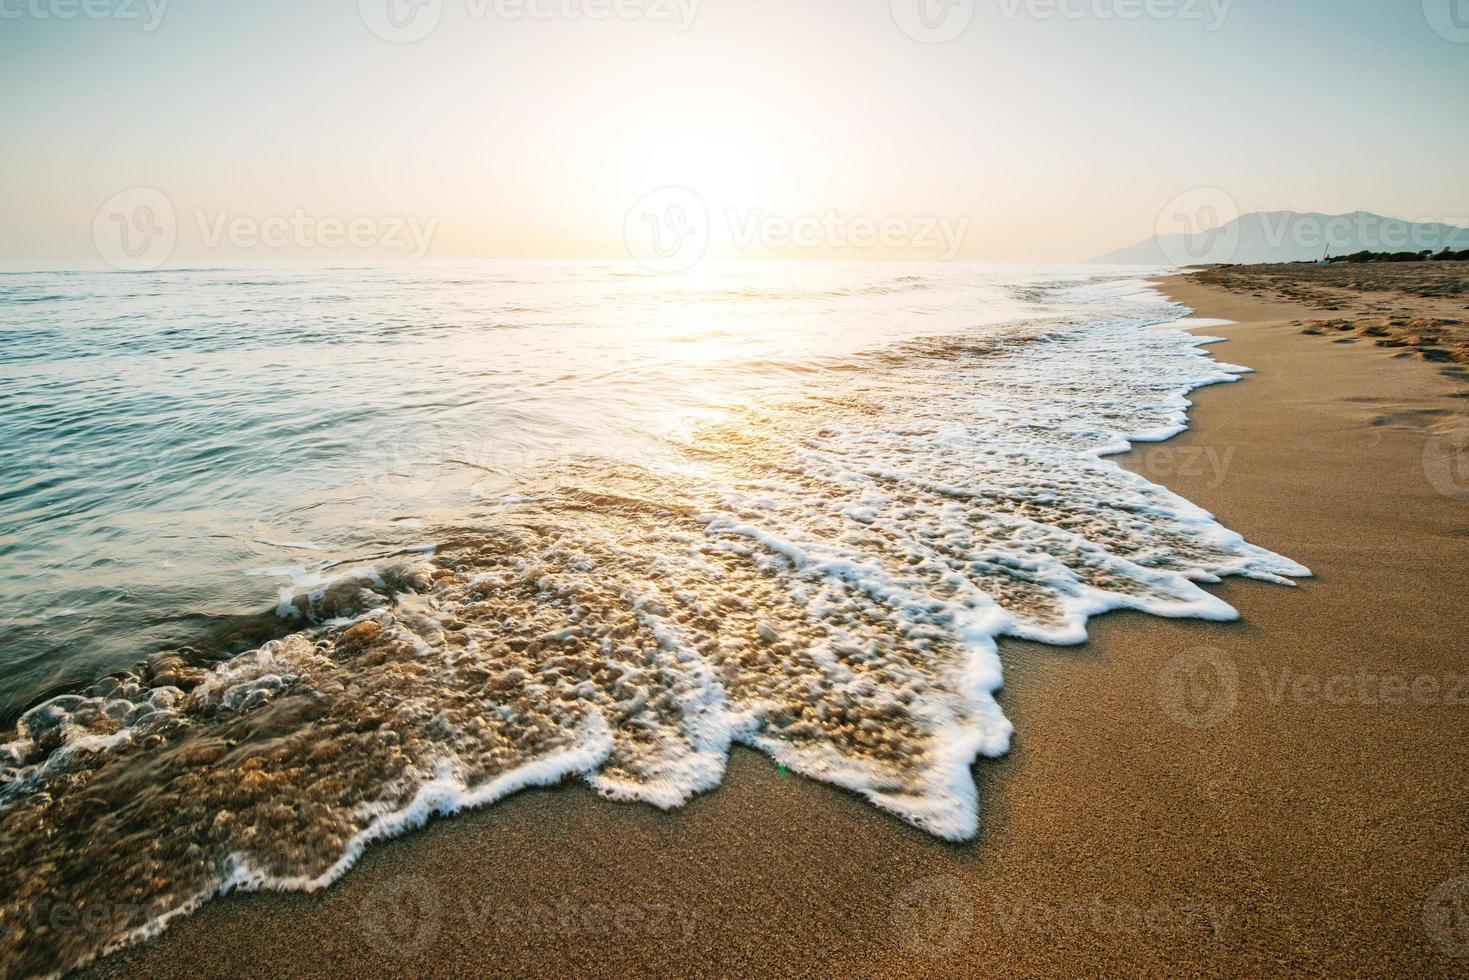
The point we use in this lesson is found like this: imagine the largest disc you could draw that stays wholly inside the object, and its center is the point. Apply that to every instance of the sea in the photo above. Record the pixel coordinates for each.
(296, 558)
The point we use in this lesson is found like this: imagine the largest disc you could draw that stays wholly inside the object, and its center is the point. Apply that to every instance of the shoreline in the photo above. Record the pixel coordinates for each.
(1288, 832)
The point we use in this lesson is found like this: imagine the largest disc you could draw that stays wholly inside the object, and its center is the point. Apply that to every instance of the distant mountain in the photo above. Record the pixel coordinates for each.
(1290, 236)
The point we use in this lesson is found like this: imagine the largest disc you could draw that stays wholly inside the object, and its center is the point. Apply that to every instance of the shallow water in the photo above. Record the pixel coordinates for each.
(500, 524)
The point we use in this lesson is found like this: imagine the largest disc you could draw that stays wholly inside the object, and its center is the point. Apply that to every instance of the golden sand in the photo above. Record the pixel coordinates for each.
(1290, 791)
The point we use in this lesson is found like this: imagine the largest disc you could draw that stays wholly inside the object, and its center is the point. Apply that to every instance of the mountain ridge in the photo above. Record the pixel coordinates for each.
(1290, 236)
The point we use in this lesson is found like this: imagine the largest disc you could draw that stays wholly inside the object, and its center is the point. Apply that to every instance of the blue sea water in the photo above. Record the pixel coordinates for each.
(296, 558)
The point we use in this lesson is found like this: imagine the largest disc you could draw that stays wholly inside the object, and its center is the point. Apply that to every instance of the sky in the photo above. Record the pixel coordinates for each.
(976, 130)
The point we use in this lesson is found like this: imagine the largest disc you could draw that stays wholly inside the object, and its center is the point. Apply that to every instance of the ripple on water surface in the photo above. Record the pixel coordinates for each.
(819, 571)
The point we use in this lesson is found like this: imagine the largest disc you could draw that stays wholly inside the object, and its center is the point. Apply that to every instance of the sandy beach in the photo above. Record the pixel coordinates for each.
(659, 488)
(1282, 793)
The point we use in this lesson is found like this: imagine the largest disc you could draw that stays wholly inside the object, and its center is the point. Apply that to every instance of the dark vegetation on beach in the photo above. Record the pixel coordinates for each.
(1427, 255)
(1418, 306)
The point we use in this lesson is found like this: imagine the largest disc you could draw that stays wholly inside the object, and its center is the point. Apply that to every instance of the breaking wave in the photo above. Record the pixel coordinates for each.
(820, 576)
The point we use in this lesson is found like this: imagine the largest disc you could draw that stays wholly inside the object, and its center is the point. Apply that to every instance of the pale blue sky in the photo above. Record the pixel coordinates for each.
(1055, 138)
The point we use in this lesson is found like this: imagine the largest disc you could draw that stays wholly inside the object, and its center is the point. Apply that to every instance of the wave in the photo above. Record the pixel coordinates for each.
(822, 578)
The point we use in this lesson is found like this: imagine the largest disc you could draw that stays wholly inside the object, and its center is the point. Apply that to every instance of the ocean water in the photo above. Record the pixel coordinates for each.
(297, 558)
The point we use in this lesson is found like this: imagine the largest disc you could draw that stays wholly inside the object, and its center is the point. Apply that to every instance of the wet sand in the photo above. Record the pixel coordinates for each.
(1286, 792)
